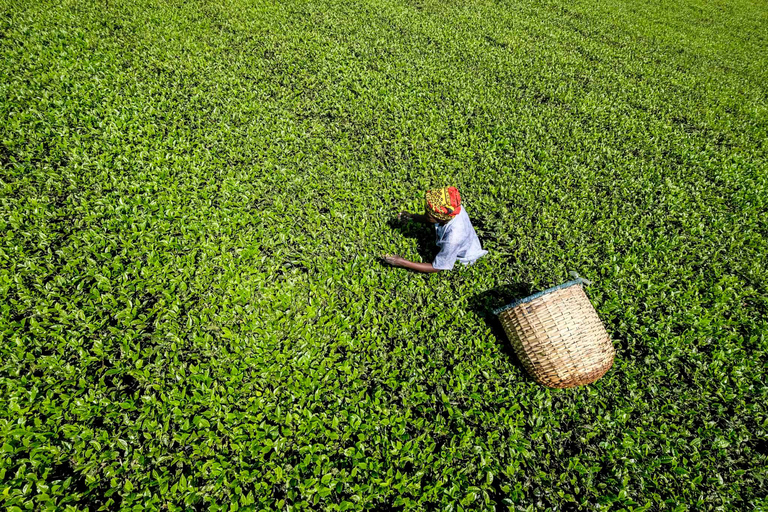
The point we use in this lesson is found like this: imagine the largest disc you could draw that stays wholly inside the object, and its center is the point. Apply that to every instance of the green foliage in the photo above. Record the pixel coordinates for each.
(193, 196)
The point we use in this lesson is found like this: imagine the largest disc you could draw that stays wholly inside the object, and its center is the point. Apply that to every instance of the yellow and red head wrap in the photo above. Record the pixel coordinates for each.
(444, 203)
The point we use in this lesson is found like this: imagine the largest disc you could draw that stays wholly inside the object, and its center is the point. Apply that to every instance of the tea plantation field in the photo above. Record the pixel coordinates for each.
(194, 197)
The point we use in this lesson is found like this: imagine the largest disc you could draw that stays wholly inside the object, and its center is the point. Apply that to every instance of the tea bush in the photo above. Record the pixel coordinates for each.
(194, 196)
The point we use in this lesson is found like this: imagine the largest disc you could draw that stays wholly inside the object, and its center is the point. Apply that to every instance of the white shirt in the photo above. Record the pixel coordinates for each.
(457, 240)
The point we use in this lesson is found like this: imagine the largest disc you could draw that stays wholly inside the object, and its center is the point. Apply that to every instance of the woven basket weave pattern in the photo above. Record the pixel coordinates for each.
(559, 338)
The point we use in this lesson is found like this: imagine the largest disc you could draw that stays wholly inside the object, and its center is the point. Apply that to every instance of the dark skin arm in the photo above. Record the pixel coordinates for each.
(397, 261)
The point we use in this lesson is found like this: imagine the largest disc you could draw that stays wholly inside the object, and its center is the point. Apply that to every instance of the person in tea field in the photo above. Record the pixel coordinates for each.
(456, 237)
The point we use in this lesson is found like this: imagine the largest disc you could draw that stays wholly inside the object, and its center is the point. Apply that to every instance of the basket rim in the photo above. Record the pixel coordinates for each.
(529, 298)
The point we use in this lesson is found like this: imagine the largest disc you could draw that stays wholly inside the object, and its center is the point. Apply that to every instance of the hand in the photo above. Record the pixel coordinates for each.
(404, 216)
(392, 259)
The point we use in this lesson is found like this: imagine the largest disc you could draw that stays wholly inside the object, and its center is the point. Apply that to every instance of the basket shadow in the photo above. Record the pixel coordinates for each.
(483, 305)
(423, 234)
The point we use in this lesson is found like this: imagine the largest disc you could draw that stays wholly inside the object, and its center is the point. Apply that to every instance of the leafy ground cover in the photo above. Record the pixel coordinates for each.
(193, 196)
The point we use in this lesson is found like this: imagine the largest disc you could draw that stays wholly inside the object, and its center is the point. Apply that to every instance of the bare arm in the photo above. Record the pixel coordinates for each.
(397, 261)
(427, 268)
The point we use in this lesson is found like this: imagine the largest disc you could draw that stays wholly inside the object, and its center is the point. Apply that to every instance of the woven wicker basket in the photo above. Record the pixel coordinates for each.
(558, 336)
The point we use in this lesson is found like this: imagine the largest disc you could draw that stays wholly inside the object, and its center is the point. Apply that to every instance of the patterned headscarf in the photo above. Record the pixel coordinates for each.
(444, 203)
